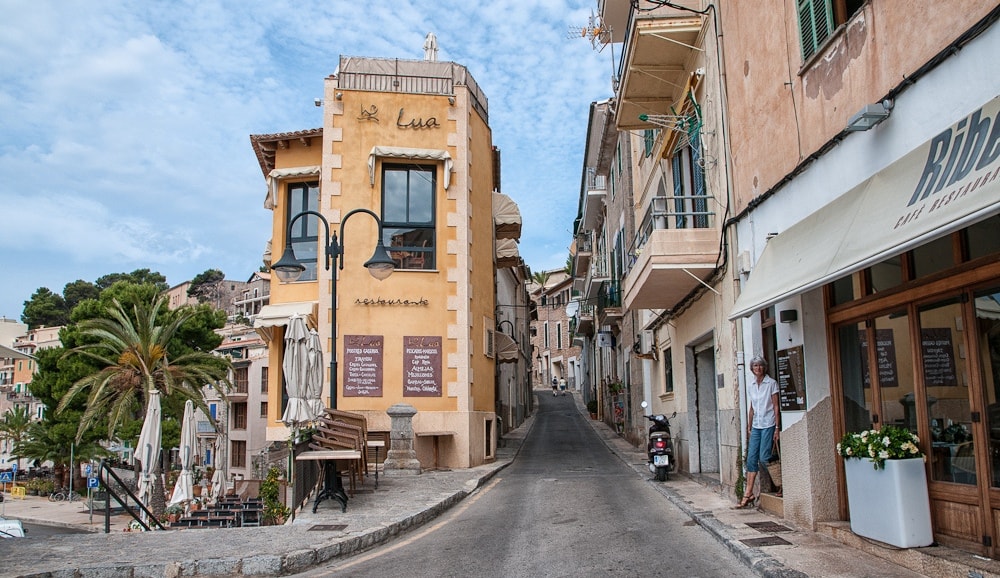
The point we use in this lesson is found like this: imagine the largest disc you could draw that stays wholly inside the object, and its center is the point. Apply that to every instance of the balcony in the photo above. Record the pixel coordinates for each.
(585, 320)
(676, 248)
(583, 250)
(598, 273)
(609, 302)
(658, 46)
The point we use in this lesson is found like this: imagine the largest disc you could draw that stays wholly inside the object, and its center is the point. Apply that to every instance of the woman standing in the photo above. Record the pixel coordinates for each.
(763, 423)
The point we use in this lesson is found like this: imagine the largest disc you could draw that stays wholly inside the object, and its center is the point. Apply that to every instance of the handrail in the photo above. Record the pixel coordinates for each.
(103, 468)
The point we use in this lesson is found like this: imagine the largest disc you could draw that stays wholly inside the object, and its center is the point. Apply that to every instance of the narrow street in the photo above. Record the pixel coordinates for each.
(566, 506)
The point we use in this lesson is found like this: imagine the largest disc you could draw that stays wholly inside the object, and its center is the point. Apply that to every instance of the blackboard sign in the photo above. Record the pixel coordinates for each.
(363, 365)
(791, 379)
(885, 350)
(939, 357)
(422, 366)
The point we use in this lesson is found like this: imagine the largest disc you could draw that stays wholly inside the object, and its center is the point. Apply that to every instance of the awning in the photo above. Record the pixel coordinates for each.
(278, 314)
(8, 353)
(408, 153)
(507, 350)
(506, 217)
(275, 176)
(507, 253)
(946, 184)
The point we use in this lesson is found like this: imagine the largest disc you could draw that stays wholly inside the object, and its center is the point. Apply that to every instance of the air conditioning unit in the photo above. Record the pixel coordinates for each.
(647, 345)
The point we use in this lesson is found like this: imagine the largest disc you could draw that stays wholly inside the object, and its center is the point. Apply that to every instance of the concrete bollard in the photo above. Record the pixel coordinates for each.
(401, 460)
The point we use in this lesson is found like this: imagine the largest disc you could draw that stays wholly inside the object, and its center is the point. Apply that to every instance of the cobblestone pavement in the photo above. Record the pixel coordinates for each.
(401, 503)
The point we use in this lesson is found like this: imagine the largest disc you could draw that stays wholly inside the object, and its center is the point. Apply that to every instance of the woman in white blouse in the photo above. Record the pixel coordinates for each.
(763, 424)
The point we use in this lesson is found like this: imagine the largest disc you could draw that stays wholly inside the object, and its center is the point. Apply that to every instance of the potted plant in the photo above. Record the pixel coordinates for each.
(592, 408)
(887, 486)
(275, 511)
(173, 513)
(45, 487)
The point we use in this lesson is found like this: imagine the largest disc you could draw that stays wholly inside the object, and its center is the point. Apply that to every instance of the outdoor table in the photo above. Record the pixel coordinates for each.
(333, 486)
(377, 444)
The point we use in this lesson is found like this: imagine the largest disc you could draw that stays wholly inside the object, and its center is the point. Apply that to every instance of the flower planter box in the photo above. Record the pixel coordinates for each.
(890, 505)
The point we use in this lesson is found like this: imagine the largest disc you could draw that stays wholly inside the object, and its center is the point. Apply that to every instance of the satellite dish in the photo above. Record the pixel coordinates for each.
(572, 308)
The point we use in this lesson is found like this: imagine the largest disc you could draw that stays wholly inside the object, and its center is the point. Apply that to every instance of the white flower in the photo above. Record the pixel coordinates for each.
(885, 441)
(884, 455)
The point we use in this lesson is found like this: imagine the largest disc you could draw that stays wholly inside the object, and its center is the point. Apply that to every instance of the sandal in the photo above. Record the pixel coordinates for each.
(748, 500)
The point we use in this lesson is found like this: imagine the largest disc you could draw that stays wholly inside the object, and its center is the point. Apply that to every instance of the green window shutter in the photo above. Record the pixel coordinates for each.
(648, 137)
(815, 24)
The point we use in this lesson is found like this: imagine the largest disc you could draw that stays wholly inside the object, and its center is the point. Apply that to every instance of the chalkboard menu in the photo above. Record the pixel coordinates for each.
(791, 379)
(363, 365)
(939, 357)
(422, 366)
(885, 350)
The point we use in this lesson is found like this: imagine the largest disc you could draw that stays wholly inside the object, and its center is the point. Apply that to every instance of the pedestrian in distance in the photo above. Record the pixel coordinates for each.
(562, 385)
(763, 424)
(555, 386)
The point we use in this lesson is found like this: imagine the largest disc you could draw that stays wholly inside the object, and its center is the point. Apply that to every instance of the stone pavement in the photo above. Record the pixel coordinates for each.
(401, 503)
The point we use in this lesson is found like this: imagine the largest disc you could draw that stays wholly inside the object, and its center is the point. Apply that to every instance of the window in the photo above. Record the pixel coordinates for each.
(263, 409)
(819, 18)
(559, 343)
(240, 415)
(213, 410)
(305, 233)
(408, 215)
(241, 379)
(238, 453)
(648, 139)
(545, 334)
(263, 380)
(690, 202)
(668, 372)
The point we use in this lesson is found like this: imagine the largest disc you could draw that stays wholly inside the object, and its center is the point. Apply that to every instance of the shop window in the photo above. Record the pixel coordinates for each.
(986, 334)
(305, 232)
(949, 407)
(408, 215)
(886, 275)
(844, 290)
(981, 239)
(894, 372)
(852, 342)
(937, 255)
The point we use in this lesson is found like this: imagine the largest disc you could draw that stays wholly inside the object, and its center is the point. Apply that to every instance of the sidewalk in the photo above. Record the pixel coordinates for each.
(374, 516)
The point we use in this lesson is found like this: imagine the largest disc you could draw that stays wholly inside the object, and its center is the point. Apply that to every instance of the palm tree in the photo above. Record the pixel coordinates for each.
(14, 427)
(541, 277)
(133, 353)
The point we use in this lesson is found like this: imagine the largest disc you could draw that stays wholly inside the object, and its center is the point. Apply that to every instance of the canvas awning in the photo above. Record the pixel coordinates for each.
(506, 217)
(507, 253)
(8, 353)
(278, 314)
(410, 153)
(925, 195)
(275, 176)
(507, 350)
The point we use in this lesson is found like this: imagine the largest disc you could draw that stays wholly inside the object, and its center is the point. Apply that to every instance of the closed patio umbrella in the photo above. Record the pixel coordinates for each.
(183, 489)
(219, 475)
(295, 368)
(148, 449)
(314, 374)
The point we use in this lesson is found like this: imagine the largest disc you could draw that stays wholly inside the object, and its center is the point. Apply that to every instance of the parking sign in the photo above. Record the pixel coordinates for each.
(92, 483)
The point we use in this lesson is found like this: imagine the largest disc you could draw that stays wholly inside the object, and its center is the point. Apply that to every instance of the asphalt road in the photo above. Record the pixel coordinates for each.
(566, 506)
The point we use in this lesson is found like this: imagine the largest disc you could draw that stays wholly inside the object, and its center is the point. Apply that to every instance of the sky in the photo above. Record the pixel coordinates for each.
(124, 125)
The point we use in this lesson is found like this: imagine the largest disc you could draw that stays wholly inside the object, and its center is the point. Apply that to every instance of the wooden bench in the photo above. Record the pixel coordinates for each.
(435, 435)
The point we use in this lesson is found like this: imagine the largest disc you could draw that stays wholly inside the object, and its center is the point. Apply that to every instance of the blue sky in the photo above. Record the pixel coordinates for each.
(124, 125)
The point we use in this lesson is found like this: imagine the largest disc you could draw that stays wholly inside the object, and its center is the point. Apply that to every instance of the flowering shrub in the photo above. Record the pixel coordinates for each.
(878, 445)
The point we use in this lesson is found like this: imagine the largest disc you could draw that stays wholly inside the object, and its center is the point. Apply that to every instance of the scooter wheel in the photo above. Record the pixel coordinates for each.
(661, 474)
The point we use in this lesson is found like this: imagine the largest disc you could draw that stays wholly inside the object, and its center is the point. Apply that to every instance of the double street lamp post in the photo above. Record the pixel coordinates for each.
(288, 269)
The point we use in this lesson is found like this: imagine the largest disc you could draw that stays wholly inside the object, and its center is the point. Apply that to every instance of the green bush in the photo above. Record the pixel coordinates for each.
(275, 512)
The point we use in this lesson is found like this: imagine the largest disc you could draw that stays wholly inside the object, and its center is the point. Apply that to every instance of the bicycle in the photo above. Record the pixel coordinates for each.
(67, 496)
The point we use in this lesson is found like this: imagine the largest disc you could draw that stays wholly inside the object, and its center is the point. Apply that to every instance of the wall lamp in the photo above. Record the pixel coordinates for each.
(869, 116)
(339, 96)
(788, 316)
(451, 100)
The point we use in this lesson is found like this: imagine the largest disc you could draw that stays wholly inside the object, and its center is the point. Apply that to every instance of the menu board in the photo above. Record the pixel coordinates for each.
(939, 357)
(363, 365)
(791, 379)
(885, 350)
(422, 366)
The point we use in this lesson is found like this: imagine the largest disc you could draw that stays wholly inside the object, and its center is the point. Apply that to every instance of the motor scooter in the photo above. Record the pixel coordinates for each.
(659, 446)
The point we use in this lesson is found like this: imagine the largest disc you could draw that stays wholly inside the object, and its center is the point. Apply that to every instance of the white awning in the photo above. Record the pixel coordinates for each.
(507, 253)
(8, 353)
(408, 153)
(507, 350)
(278, 314)
(506, 217)
(925, 195)
(275, 176)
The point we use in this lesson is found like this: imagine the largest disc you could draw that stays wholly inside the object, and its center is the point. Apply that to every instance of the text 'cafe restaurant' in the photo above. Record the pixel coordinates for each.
(896, 283)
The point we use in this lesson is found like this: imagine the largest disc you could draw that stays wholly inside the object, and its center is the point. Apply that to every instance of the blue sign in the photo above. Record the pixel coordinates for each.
(88, 470)
(92, 483)
(6, 477)
(13, 467)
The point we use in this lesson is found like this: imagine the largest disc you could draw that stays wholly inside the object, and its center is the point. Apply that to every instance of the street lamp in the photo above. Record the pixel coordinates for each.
(288, 269)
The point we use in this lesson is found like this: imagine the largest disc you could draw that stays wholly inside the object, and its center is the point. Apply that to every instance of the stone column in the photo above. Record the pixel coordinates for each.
(401, 460)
